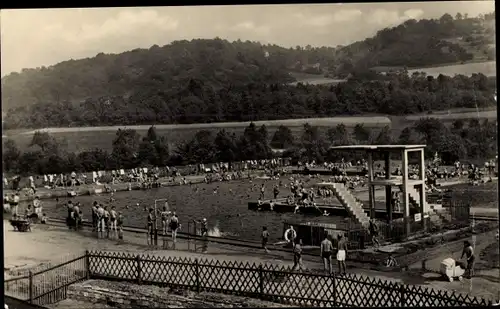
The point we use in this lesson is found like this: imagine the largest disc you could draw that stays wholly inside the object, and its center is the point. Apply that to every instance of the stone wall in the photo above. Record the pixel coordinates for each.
(126, 295)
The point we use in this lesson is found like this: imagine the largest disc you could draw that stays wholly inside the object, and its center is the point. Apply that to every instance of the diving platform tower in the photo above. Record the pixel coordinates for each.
(412, 190)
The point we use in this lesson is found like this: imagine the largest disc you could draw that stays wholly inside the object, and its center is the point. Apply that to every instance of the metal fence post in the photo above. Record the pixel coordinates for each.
(334, 292)
(139, 270)
(197, 273)
(30, 287)
(87, 264)
(261, 281)
(403, 299)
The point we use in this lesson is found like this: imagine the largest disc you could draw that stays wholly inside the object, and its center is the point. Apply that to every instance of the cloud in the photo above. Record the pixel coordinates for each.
(386, 18)
(347, 15)
(340, 16)
(413, 13)
(124, 24)
(248, 26)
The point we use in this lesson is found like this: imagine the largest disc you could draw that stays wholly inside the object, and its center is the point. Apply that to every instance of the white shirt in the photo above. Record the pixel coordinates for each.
(16, 199)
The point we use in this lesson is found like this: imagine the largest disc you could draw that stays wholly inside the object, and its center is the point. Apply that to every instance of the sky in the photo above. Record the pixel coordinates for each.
(44, 37)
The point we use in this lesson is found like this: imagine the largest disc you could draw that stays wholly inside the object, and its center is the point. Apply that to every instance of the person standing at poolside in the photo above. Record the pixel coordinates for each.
(326, 253)
(174, 226)
(69, 219)
(106, 220)
(94, 216)
(297, 256)
(119, 223)
(204, 234)
(265, 238)
(341, 253)
(112, 221)
(37, 204)
(15, 204)
(76, 216)
(164, 220)
(374, 232)
(150, 220)
(468, 251)
(100, 221)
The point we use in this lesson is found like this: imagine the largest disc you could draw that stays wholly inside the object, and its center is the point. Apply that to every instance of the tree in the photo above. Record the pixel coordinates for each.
(154, 149)
(254, 143)
(10, 156)
(384, 137)
(226, 148)
(313, 144)
(45, 141)
(361, 134)
(339, 135)
(407, 137)
(125, 152)
(201, 149)
(283, 138)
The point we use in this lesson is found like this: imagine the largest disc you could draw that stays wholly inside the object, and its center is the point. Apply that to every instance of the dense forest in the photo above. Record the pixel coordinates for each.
(216, 80)
(467, 140)
(198, 102)
(423, 43)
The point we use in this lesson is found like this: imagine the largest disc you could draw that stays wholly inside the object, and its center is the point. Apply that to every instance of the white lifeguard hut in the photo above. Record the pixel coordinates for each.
(413, 190)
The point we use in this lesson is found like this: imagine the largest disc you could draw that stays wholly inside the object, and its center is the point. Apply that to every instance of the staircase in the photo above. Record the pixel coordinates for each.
(438, 215)
(354, 207)
(413, 195)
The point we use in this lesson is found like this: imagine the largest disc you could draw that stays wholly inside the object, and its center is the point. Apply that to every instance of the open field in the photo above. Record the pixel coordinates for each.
(488, 68)
(85, 138)
(492, 114)
(314, 79)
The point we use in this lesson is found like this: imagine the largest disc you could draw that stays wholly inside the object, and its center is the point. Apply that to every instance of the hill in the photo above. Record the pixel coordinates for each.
(423, 43)
(205, 81)
(216, 63)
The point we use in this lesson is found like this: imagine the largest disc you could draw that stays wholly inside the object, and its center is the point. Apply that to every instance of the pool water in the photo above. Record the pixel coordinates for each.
(226, 210)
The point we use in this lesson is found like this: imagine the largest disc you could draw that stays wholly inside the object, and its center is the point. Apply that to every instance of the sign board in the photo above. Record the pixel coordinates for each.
(418, 217)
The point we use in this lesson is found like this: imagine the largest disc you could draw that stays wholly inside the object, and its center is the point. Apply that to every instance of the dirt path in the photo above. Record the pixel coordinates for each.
(485, 282)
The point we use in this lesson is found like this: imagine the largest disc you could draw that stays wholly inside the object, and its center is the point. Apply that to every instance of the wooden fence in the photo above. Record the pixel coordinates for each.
(50, 285)
(267, 282)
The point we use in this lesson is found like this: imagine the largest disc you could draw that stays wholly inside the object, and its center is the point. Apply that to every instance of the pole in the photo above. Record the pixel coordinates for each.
(155, 226)
(474, 248)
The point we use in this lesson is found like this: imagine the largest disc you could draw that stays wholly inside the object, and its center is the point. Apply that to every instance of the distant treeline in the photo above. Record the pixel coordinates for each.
(198, 102)
(472, 140)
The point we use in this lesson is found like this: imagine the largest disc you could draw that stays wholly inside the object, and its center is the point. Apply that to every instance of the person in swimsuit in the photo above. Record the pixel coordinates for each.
(76, 216)
(94, 216)
(119, 223)
(164, 220)
(174, 226)
(37, 204)
(265, 238)
(150, 220)
(112, 220)
(468, 251)
(100, 220)
(326, 253)
(374, 232)
(341, 253)
(204, 233)
(15, 204)
(106, 220)
(297, 256)
(69, 219)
